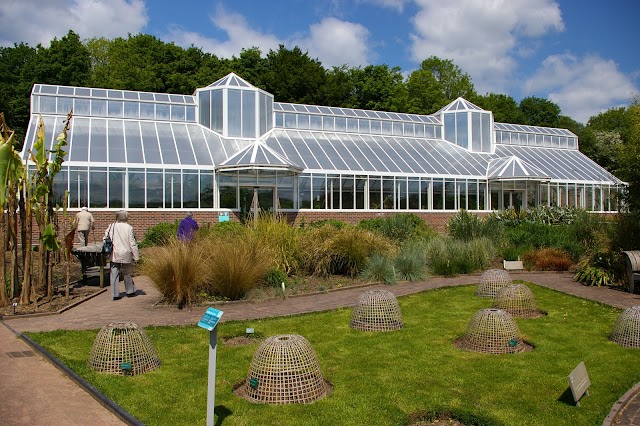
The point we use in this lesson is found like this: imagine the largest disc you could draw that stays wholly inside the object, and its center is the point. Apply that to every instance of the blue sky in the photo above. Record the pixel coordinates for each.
(582, 55)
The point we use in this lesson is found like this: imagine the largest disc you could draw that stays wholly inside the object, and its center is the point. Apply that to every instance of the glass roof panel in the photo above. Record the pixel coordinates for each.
(313, 108)
(216, 147)
(114, 94)
(185, 152)
(427, 161)
(98, 151)
(167, 144)
(63, 90)
(381, 149)
(337, 111)
(287, 107)
(203, 157)
(349, 112)
(299, 108)
(352, 158)
(404, 150)
(150, 142)
(79, 147)
(82, 91)
(308, 157)
(315, 150)
(145, 96)
(360, 143)
(360, 113)
(116, 141)
(329, 151)
(131, 95)
(161, 97)
(287, 148)
(133, 142)
(99, 93)
(50, 90)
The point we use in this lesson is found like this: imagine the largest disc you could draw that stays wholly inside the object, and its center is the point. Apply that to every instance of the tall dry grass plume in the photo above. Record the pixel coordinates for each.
(179, 270)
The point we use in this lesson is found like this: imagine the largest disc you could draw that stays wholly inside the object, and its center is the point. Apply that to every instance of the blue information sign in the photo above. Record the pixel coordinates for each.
(223, 217)
(210, 319)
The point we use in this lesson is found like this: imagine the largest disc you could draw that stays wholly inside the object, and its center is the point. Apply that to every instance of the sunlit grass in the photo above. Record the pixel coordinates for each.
(381, 378)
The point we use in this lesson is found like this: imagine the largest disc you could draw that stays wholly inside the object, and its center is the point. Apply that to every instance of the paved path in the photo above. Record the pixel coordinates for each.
(144, 311)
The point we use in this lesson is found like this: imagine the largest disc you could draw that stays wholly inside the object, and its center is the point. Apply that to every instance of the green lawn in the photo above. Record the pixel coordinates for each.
(382, 378)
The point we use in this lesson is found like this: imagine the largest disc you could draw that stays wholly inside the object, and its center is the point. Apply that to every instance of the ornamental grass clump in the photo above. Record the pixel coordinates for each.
(346, 251)
(178, 269)
(547, 259)
(281, 238)
(448, 257)
(379, 269)
(410, 264)
(236, 266)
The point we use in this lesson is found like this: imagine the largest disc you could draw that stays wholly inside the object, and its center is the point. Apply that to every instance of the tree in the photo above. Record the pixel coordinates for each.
(66, 62)
(540, 112)
(293, 76)
(629, 155)
(374, 86)
(251, 66)
(17, 65)
(437, 83)
(504, 107)
(338, 88)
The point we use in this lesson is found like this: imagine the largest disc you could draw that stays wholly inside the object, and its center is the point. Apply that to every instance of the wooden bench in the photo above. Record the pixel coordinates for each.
(633, 269)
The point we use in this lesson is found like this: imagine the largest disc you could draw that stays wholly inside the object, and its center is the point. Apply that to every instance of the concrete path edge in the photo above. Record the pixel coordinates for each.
(107, 402)
(620, 404)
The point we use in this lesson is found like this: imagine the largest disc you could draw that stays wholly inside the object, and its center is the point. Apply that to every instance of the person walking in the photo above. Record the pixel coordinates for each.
(187, 228)
(125, 251)
(83, 223)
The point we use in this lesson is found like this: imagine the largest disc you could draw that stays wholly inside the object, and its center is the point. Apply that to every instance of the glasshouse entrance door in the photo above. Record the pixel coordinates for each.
(513, 199)
(255, 200)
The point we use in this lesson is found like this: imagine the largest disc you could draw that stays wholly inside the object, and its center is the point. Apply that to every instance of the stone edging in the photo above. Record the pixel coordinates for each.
(58, 312)
(620, 404)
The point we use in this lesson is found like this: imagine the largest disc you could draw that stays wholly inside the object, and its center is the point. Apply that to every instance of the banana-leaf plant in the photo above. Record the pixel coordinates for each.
(39, 193)
(11, 173)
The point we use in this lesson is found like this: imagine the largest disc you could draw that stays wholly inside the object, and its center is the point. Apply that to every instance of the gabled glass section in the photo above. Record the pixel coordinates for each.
(234, 108)
(468, 126)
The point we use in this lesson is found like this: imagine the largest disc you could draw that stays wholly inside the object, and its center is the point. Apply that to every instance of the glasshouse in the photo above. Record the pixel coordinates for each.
(229, 150)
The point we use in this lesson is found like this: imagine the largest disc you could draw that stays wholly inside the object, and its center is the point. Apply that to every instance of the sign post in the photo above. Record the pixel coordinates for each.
(209, 322)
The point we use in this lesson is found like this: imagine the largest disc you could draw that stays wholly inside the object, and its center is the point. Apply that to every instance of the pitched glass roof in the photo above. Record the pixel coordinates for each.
(349, 112)
(231, 80)
(513, 168)
(257, 156)
(460, 104)
(533, 129)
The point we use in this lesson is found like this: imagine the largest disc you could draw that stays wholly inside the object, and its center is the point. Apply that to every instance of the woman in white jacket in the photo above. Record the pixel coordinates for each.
(125, 251)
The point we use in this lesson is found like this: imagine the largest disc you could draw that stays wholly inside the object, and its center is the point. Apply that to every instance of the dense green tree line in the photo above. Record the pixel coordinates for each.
(144, 62)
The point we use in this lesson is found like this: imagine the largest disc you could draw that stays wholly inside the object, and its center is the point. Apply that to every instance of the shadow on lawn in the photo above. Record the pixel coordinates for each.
(222, 413)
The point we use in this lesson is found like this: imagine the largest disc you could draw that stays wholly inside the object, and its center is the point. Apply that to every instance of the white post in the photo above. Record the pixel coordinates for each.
(211, 389)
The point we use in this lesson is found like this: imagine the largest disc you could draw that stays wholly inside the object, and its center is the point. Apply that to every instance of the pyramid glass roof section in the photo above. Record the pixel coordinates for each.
(460, 104)
(231, 80)
(258, 156)
(511, 168)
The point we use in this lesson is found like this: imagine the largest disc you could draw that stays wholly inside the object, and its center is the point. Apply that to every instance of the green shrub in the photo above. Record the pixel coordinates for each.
(179, 270)
(160, 234)
(379, 269)
(275, 277)
(221, 229)
(592, 275)
(325, 222)
(399, 227)
(410, 263)
(448, 257)
(465, 226)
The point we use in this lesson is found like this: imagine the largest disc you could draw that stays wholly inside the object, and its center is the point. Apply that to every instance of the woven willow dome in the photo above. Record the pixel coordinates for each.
(492, 280)
(284, 370)
(626, 331)
(492, 331)
(518, 300)
(122, 348)
(376, 310)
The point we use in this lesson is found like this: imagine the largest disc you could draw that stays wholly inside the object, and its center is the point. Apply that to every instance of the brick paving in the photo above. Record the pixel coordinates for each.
(144, 310)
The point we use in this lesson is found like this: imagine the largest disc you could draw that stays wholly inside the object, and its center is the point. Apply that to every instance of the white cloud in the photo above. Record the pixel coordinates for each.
(332, 41)
(482, 37)
(581, 86)
(397, 5)
(337, 42)
(39, 21)
(240, 34)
